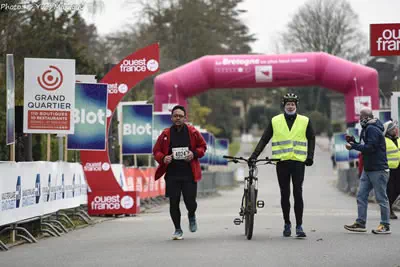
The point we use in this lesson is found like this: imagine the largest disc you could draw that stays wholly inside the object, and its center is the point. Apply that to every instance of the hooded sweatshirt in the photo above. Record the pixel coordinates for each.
(372, 146)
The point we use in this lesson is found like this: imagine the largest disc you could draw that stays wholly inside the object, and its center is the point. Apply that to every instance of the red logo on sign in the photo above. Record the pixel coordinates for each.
(266, 73)
(385, 39)
(50, 82)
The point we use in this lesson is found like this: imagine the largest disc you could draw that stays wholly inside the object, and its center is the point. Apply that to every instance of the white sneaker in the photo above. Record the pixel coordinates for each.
(178, 235)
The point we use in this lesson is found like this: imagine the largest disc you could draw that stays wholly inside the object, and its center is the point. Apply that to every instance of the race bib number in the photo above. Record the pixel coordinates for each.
(180, 153)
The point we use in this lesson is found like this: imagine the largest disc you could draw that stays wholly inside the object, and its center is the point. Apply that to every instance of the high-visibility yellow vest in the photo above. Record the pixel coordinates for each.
(392, 153)
(289, 145)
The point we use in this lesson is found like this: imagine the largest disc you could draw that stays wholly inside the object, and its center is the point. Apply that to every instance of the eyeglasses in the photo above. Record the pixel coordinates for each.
(178, 116)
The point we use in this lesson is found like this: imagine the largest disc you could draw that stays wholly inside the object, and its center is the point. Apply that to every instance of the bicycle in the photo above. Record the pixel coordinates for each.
(250, 203)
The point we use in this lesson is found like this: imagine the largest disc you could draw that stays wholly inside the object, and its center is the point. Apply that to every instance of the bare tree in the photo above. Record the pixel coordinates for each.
(95, 7)
(329, 26)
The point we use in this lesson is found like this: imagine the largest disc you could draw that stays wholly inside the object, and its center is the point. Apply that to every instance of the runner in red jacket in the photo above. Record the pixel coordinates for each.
(178, 150)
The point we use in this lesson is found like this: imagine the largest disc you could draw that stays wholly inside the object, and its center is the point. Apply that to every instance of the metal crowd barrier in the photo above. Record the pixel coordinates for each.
(58, 223)
(49, 223)
(212, 181)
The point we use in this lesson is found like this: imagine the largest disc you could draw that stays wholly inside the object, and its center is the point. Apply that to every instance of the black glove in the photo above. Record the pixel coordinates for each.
(309, 162)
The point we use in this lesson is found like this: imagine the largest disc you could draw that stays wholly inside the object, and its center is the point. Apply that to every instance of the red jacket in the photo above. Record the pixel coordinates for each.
(161, 148)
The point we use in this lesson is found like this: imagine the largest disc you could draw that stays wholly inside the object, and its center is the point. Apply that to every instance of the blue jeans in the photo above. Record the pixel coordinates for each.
(376, 180)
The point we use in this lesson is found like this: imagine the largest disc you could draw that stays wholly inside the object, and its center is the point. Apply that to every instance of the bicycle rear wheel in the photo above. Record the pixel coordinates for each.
(250, 211)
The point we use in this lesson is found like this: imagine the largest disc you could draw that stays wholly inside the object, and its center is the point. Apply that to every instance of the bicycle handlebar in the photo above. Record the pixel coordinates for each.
(237, 159)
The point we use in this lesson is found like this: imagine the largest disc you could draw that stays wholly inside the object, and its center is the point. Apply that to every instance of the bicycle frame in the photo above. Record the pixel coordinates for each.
(248, 182)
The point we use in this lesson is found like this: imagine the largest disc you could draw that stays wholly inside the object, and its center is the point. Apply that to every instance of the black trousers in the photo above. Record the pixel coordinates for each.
(291, 170)
(393, 186)
(175, 187)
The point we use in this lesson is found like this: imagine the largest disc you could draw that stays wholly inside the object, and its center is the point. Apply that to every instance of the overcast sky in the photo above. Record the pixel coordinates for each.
(265, 18)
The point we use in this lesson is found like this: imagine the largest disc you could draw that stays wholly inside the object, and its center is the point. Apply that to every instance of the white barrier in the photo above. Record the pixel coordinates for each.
(118, 171)
(32, 189)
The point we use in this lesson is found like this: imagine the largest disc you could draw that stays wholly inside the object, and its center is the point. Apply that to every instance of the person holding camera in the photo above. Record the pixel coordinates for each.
(375, 174)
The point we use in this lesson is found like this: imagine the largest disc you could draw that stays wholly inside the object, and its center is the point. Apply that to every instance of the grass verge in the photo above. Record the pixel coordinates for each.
(234, 148)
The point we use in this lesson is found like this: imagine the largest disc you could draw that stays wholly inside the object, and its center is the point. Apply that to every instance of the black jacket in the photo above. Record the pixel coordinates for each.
(268, 133)
(179, 168)
(373, 148)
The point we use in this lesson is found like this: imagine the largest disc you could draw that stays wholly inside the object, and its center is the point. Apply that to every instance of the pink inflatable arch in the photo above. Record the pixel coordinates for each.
(355, 81)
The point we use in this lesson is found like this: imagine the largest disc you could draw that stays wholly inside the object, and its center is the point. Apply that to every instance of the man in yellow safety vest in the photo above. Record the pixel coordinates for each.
(293, 142)
(393, 157)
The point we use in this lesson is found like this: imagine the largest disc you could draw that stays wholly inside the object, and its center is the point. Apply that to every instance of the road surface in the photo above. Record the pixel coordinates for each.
(145, 240)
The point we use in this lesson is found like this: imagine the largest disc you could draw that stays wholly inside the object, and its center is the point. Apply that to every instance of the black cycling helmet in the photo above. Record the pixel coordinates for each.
(290, 97)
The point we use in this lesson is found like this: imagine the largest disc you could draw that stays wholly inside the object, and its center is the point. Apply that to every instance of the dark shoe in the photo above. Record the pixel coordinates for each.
(356, 227)
(192, 224)
(382, 229)
(393, 216)
(299, 232)
(287, 230)
(178, 235)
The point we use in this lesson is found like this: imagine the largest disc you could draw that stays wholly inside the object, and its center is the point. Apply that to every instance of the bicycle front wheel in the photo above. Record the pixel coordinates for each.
(250, 211)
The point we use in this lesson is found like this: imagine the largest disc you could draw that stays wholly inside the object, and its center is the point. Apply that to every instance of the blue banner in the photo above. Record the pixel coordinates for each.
(137, 124)
(341, 153)
(222, 146)
(207, 157)
(89, 117)
(161, 120)
(385, 115)
(212, 148)
(353, 154)
(10, 84)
